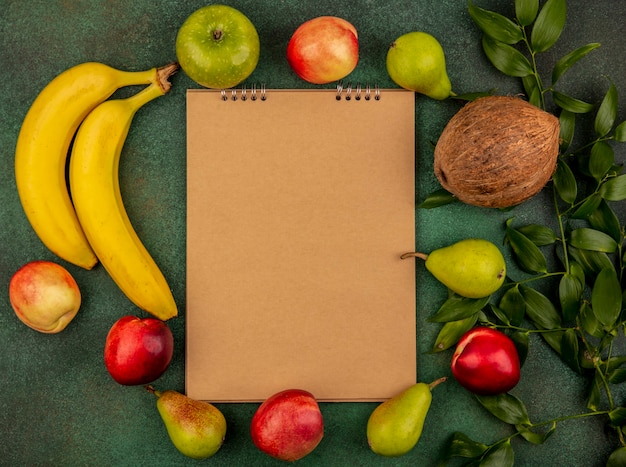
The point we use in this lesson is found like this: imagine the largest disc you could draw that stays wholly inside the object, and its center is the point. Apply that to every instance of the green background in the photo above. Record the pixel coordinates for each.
(59, 406)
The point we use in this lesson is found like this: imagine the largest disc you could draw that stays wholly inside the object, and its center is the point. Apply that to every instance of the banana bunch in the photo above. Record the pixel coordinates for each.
(91, 225)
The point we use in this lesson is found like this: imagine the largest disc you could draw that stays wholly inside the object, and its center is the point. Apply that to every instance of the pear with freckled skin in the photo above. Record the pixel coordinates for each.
(196, 428)
(472, 268)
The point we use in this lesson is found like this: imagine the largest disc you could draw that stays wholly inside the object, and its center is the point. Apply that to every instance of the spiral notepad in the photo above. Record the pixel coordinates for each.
(300, 203)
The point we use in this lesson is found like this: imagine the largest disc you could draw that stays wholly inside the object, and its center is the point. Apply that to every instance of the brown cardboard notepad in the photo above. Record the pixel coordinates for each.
(299, 207)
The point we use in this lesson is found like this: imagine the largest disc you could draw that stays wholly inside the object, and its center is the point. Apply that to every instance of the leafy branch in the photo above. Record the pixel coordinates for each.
(582, 319)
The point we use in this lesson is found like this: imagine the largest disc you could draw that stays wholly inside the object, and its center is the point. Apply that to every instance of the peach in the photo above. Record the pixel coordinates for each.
(323, 49)
(44, 296)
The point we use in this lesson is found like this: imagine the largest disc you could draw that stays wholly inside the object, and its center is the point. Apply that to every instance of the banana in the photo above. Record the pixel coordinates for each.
(94, 184)
(42, 149)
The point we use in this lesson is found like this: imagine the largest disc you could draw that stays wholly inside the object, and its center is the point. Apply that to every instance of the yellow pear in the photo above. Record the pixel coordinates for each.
(472, 268)
(416, 61)
(196, 428)
(395, 426)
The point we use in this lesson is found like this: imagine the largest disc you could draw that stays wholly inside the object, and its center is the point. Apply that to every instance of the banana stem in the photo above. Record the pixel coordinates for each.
(415, 254)
(163, 74)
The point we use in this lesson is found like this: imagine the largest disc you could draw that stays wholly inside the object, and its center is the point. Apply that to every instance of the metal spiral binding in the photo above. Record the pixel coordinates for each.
(357, 92)
(253, 92)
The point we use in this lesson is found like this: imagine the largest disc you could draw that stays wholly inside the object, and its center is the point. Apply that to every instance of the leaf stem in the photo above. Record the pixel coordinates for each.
(532, 53)
(571, 417)
(562, 238)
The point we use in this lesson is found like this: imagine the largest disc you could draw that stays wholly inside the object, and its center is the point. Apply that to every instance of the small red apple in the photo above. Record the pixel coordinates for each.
(486, 362)
(138, 350)
(288, 425)
(323, 49)
(44, 296)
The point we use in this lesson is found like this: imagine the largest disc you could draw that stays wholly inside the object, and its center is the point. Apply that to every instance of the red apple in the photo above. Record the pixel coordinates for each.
(323, 49)
(44, 296)
(288, 425)
(138, 350)
(486, 362)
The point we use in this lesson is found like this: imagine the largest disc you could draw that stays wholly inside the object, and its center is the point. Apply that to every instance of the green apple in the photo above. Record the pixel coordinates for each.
(416, 61)
(218, 46)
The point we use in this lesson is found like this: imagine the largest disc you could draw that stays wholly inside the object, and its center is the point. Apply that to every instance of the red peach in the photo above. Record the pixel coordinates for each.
(44, 296)
(288, 425)
(323, 49)
(486, 362)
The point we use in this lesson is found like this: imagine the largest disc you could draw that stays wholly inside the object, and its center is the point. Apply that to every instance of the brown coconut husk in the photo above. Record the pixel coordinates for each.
(497, 152)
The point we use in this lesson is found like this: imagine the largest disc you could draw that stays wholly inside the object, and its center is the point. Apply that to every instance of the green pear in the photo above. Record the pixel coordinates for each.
(416, 61)
(472, 268)
(395, 426)
(196, 428)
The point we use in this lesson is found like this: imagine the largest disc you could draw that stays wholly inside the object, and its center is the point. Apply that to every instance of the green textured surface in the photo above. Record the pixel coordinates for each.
(60, 407)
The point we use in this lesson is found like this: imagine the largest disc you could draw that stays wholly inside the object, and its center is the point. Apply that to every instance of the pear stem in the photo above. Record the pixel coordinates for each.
(415, 254)
(437, 382)
(151, 389)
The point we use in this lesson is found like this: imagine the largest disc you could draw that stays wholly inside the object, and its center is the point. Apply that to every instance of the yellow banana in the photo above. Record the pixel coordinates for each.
(94, 184)
(42, 149)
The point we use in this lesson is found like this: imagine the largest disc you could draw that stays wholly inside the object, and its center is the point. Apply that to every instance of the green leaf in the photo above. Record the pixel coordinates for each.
(500, 455)
(527, 255)
(605, 220)
(521, 341)
(567, 125)
(617, 376)
(607, 113)
(577, 271)
(457, 307)
(615, 362)
(590, 239)
(618, 416)
(565, 181)
(533, 91)
(601, 160)
(472, 96)
(570, 103)
(437, 198)
(589, 322)
(569, 349)
(451, 332)
(535, 438)
(462, 445)
(514, 305)
(606, 297)
(570, 293)
(540, 309)
(549, 25)
(566, 62)
(592, 262)
(617, 458)
(505, 58)
(620, 132)
(499, 313)
(554, 339)
(539, 234)
(526, 11)
(495, 25)
(594, 393)
(506, 407)
(614, 189)
(589, 205)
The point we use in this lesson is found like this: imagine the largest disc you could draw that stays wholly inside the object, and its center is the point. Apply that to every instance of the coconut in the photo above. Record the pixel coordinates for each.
(497, 152)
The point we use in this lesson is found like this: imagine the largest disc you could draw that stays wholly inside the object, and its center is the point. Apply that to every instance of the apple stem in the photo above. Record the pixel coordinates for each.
(437, 382)
(415, 254)
(217, 34)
